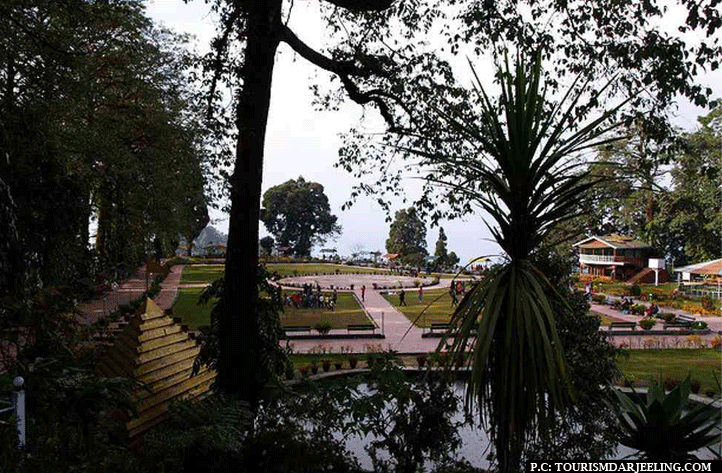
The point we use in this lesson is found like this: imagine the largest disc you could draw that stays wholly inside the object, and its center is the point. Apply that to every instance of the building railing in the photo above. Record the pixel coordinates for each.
(18, 408)
(610, 259)
(596, 259)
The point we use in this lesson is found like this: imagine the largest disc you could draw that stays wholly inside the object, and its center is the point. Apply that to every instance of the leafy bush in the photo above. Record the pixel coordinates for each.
(599, 298)
(635, 290)
(638, 309)
(707, 303)
(717, 343)
(421, 360)
(699, 325)
(647, 323)
(322, 328)
(417, 283)
(695, 386)
(666, 316)
(670, 383)
(352, 361)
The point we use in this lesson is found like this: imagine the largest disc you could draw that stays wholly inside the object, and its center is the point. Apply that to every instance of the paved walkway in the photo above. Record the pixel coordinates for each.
(395, 326)
(130, 289)
(400, 334)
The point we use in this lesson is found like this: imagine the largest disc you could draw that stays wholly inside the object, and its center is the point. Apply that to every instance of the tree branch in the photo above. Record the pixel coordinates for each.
(346, 69)
(362, 5)
(314, 57)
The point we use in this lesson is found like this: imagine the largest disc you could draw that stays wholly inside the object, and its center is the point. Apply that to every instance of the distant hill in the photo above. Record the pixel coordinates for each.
(207, 236)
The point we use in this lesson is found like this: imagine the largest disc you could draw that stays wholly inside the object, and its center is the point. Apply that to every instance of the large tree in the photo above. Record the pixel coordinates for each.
(374, 51)
(97, 118)
(689, 220)
(407, 235)
(298, 214)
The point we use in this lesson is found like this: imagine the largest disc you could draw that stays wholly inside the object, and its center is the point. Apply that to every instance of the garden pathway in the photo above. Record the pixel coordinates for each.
(664, 341)
(395, 327)
(130, 289)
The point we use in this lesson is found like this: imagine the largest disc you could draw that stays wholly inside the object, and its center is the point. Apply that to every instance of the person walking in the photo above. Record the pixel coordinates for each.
(402, 298)
(363, 293)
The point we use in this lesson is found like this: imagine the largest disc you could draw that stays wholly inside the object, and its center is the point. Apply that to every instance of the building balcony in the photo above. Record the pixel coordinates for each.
(614, 260)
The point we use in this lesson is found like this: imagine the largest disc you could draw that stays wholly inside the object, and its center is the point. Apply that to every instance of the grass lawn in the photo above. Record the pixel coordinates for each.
(438, 312)
(675, 364)
(201, 273)
(186, 307)
(606, 320)
(207, 273)
(347, 311)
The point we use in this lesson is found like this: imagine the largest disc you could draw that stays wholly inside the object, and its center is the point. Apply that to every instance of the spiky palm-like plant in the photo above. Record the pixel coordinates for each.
(659, 428)
(525, 144)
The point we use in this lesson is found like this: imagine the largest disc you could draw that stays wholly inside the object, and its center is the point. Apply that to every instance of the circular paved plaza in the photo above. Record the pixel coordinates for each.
(344, 281)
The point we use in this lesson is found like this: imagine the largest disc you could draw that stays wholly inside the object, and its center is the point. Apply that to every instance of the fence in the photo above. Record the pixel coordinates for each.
(699, 292)
(18, 408)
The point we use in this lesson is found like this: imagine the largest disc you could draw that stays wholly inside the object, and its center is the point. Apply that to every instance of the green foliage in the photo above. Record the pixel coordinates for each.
(412, 420)
(707, 302)
(522, 178)
(635, 290)
(322, 328)
(407, 236)
(647, 323)
(96, 120)
(267, 243)
(205, 435)
(659, 428)
(589, 427)
(699, 325)
(274, 358)
(298, 214)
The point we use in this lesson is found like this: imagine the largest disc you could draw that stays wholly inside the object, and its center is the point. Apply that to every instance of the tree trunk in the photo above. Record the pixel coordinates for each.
(239, 345)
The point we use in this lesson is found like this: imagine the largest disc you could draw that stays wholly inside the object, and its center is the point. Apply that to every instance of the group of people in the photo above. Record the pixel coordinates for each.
(310, 298)
(625, 307)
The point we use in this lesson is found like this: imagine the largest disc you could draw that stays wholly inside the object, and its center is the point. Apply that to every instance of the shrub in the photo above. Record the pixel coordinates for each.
(352, 361)
(599, 298)
(707, 303)
(304, 371)
(289, 373)
(635, 290)
(338, 365)
(666, 316)
(351, 285)
(370, 361)
(695, 386)
(326, 365)
(647, 323)
(699, 325)
(671, 383)
(314, 367)
(417, 283)
(322, 328)
(421, 360)
(638, 309)
(717, 343)
(375, 286)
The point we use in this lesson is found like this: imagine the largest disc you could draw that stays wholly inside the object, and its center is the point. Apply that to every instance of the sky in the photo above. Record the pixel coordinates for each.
(302, 141)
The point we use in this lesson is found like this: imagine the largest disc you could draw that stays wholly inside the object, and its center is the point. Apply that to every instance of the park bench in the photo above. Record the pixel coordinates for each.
(685, 319)
(439, 326)
(682, 325)
(631, 325)
(360, 327)
(297, 328)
